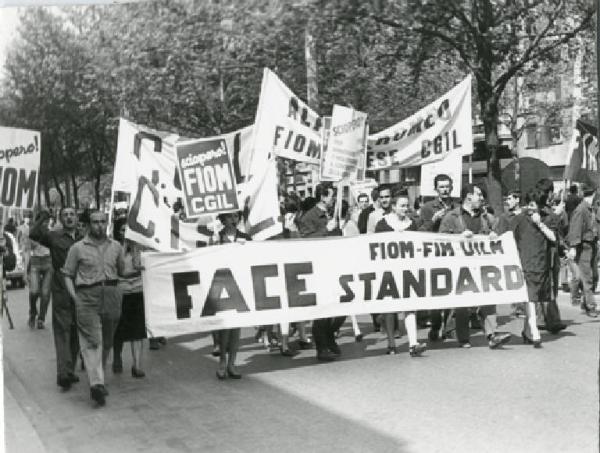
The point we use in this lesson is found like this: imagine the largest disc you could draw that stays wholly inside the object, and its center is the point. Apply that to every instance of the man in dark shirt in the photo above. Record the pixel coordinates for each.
(467, 220)
(573, 200)
(513, 202)
(64, 326)
(431, 215)
(315, 224)
(433, 211)
(582, 239)
(363, 217)
(548, 311)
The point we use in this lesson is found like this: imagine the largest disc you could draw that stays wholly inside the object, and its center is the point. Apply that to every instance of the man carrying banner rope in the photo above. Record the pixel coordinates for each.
(315, 224)
(431, 215)
(467, 220)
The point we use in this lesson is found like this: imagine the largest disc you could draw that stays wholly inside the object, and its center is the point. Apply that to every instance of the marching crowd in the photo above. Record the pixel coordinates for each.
(94, 281)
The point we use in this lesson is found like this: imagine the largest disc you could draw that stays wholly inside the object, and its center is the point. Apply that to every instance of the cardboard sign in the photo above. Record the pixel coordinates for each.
(346, 144)
(207, 177)
(19, 167)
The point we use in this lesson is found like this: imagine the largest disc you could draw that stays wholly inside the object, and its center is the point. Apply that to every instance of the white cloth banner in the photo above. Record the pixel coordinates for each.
(19, 167)
(258, 283)
(441, 128)
(346, 144)
(284, 125)
(146, 168)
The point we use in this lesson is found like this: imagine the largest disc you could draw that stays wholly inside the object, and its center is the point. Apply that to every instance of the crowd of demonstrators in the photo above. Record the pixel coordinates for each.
(98, 302)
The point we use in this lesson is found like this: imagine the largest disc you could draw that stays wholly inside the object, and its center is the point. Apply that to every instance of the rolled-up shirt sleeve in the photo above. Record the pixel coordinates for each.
(70, 267)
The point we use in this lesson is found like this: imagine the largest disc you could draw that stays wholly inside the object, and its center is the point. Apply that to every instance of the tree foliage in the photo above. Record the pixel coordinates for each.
(195, 67)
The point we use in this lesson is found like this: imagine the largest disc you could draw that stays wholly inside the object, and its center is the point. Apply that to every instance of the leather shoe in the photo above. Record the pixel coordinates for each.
(335, 349)
(97, 394)
(288, 352)
(64, 382)
(154, 344)
(417, 350)
(498, 340)
(305, 344)
(233, 374)
(359, 338)
(325, 356)
(73, 378)
(137, 373)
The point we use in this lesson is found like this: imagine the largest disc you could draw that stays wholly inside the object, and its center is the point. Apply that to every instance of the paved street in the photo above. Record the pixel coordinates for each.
(512, 400)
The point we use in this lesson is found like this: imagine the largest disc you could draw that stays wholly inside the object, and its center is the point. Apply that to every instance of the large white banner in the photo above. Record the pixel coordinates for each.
(146, 168)
(441, 128)
(19, 167)
(272, 282)
(285, 125)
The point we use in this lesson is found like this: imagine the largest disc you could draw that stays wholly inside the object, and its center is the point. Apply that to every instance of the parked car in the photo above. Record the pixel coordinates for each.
(17, 275)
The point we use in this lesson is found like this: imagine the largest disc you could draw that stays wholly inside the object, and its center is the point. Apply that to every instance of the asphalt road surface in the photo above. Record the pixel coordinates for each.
(517, 399)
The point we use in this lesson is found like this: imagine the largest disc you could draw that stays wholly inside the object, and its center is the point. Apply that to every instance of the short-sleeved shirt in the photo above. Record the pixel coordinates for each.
(89, 263)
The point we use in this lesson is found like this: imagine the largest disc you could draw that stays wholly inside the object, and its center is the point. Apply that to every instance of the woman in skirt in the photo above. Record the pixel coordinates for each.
(132, 325)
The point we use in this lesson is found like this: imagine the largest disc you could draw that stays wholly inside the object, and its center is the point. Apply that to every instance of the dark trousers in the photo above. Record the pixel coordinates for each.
(586, 256)
(64, 329)
(323, 331)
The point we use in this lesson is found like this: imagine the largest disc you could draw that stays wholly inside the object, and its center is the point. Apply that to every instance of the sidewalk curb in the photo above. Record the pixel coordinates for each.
(25, 422)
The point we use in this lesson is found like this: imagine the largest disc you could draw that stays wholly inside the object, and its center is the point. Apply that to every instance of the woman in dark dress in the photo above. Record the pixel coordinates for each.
(534, 240)
(132, 325)
(229, 339)
(398, 220)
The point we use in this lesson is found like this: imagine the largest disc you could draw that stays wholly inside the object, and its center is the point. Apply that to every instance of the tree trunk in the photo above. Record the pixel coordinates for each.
(494, 176)
(75, 191)
(97, 189)
(60, 191)
(47, 194)
(68, 193)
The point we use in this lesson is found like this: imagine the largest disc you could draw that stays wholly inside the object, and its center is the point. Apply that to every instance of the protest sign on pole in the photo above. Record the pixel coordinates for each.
(19, 167)
(437, 130)
(346, 144)
(146, 169)
(284, 124)
(325, 135)
(207, 178)
(261, 283)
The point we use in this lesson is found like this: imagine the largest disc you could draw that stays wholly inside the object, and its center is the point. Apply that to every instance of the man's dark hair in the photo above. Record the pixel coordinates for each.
(545, 185)
(383, 187)
(62, 208)
(362, 195)
(117, 225)
(574, 189)
(514, 194)
(441, 177)
(322, 189)
(536, 195)
(375, 194)
(468, 189)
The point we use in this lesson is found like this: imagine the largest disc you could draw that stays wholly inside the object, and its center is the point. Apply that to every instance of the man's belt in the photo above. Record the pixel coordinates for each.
(100, 283)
